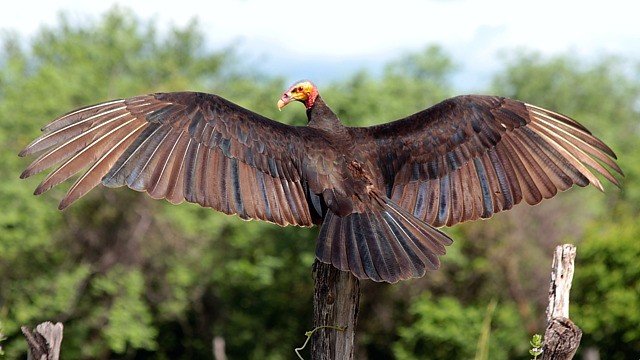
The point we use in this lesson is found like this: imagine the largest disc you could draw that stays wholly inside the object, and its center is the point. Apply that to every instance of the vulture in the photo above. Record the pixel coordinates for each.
(379, 193)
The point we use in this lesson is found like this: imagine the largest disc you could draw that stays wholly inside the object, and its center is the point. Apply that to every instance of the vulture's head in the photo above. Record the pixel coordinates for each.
(304, 91)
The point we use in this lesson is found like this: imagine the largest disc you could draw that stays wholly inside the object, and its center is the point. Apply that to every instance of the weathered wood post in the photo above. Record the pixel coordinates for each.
(562, 336)
(335, 303)
(44, 341)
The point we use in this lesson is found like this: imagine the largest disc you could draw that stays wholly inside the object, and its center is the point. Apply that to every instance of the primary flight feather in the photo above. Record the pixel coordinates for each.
(379, 193)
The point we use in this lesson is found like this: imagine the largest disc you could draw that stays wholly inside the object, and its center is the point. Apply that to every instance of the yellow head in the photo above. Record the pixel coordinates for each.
(304, 91)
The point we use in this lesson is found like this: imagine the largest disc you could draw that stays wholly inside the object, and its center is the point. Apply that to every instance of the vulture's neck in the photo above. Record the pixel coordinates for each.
(322, 117)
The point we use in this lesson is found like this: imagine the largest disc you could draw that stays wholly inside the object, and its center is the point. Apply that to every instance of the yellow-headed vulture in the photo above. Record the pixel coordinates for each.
(379, 193)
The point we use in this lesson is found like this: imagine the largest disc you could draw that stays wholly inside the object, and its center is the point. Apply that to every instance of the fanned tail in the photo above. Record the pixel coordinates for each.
(383, 243)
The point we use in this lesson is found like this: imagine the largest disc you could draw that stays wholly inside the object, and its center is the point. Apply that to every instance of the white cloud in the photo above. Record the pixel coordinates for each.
(473, 30)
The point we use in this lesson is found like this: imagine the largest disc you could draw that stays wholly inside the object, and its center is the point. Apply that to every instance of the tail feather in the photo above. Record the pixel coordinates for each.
(384, 243)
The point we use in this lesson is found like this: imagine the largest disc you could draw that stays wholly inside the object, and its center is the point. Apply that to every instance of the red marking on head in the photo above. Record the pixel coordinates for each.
(304, 91)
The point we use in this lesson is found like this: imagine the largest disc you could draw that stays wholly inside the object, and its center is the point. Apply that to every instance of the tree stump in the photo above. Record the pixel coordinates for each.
(335, 303)
(44, 341)
(562, 336)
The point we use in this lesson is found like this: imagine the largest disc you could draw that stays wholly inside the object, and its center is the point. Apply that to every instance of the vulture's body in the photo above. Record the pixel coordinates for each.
(378, 192)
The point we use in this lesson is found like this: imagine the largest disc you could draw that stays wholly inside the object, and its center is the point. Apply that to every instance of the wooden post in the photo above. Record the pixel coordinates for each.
(335, 303)
(44, 342)
(562, 336)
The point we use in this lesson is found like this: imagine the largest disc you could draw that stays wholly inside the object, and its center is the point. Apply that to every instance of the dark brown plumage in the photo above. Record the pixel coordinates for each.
(379, 192)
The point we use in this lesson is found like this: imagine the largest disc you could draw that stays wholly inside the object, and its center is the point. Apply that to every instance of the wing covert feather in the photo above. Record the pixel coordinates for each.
(179, 146)
(471, 156)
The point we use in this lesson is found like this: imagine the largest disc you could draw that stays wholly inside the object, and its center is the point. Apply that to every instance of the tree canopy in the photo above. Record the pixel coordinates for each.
(132, 277)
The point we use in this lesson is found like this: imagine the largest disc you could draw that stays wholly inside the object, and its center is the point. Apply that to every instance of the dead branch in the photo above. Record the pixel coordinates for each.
(44, 341)
(562, 336)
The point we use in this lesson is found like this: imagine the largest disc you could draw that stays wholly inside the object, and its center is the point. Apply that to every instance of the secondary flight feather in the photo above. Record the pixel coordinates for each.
(379, 193)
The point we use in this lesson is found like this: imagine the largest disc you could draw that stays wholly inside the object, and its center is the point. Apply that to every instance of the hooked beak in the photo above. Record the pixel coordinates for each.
(290, 96)
(284, 100)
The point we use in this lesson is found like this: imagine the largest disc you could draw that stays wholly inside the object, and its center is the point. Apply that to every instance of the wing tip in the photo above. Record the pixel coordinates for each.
(64, 204)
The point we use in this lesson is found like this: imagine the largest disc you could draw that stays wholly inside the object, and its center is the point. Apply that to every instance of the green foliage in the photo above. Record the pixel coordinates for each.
(128, 320)
(444, 328)
(408, 85)
(121, 271)
(536, 346)
(602, 95)
(2, 338)
(131, 277)
(606, 289)
(482, 349)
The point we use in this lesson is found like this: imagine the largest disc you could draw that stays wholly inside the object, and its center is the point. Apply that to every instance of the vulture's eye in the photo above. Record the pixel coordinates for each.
(300, 88)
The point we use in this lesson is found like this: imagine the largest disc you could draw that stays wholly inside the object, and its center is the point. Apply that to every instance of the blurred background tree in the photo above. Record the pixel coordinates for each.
(135, 278)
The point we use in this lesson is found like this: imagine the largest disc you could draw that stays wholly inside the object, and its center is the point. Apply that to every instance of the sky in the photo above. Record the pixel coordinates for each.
(330, 39)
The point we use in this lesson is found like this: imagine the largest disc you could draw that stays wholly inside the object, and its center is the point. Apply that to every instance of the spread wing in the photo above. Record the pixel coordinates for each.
(183, 145)
(471, 156)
